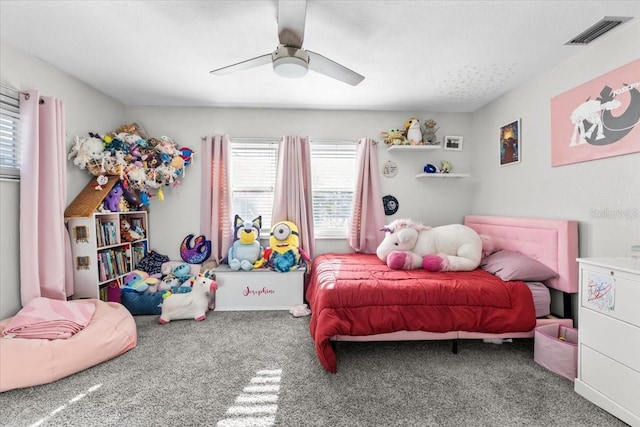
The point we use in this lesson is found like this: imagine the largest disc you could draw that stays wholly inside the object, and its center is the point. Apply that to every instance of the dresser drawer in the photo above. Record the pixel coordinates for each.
(615, 381)
(610, 292)
(611, 337)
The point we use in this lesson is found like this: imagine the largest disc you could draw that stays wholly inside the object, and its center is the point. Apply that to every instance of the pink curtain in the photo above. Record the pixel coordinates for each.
(367, 216)
(215, 197)
(293, 200)
(45, 249)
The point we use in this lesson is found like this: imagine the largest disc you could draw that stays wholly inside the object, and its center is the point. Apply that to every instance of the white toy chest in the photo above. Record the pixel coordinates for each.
(259, 289)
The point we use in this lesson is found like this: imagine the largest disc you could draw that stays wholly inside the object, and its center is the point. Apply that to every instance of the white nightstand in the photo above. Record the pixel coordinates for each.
(609, 335)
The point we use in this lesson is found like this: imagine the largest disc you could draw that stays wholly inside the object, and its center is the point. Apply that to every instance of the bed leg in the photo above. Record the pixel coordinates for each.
(567, 309)
(454, 346)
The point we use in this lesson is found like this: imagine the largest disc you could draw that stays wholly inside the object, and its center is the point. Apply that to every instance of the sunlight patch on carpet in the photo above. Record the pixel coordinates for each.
(63, 407)
(256, 405)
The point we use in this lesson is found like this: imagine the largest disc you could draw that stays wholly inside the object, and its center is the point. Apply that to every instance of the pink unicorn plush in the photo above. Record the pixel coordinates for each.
(408, 245)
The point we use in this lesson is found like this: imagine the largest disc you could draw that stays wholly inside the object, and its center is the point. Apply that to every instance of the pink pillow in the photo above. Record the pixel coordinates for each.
(509, 265)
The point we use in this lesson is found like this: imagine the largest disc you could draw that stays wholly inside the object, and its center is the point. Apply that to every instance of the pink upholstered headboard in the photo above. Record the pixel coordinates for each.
(553, 242)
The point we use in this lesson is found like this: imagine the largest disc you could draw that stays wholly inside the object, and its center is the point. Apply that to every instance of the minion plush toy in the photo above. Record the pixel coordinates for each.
(283, 253)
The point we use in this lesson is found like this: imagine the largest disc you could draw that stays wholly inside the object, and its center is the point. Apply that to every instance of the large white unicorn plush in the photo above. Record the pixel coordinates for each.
(408, 245)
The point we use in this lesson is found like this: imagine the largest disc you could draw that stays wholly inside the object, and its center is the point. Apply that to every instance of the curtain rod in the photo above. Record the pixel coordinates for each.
(26, 95)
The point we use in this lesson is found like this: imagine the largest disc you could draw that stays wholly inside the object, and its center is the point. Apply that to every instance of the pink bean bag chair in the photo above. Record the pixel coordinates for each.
(25, 362)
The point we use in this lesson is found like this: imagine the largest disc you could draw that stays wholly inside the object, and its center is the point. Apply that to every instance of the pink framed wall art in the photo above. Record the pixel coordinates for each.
(598, 119)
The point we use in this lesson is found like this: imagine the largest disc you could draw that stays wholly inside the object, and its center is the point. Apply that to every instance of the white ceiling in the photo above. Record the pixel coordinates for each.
(445, 56)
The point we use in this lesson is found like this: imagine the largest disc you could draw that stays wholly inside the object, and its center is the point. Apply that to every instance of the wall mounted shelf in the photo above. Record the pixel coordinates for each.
(442, 175)
(413, 147)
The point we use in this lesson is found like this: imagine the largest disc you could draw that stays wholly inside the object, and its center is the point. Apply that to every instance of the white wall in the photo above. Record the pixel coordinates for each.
(581, 191)
(433, 202)
(86, 110)
(532, 188)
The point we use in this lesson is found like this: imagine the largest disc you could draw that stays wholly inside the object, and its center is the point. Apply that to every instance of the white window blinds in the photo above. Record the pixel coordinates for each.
(9, 134)
(253, 178)
(333, 171)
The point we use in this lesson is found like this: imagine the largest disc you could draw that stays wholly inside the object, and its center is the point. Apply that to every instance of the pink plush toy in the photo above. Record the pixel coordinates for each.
(408, 245)
(190, 305)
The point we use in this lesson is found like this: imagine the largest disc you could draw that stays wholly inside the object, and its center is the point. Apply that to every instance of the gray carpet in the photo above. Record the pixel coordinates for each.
(190, 373)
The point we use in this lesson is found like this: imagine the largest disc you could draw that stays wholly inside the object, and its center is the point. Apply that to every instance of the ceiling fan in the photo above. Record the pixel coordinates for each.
(290, 59)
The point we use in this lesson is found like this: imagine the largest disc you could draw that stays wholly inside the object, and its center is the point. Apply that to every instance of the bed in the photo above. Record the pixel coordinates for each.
(356, 297)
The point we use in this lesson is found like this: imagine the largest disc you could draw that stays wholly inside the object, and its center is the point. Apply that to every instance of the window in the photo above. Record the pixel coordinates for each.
(9, 134)
(253, 176)
(333, 171)
(253, 179)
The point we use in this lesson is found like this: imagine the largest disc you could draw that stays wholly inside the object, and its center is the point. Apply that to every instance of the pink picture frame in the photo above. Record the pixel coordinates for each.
(598, 119)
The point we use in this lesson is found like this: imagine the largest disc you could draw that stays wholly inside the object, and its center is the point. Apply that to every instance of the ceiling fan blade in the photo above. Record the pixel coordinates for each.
(323, 65)
(291, 19)
(244, 65)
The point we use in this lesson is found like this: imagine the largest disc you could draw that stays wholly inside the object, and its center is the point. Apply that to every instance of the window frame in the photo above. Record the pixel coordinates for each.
(9, 134)
(334, 233)
(319, 232)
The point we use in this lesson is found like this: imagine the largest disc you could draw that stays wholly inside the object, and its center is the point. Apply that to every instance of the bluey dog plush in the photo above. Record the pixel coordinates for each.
(246, 249)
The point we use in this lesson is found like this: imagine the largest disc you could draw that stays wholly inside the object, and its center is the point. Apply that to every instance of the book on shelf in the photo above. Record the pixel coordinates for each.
(139, 251)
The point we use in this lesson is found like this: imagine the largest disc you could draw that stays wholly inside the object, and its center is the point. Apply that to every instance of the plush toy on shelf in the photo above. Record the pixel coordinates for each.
(429, 132)
(192, 305)
(111, 202)
(394, 137)
(413, 131)
(445, 166)
(283, 253)
(246, 248)
(127, 233)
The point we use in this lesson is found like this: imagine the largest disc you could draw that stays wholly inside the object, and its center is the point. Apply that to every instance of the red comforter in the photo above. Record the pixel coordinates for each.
(357, 294)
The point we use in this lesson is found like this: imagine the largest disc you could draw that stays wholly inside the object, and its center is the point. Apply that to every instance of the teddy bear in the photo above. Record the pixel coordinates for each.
(127, 233)
(429, 132)
(409, 245)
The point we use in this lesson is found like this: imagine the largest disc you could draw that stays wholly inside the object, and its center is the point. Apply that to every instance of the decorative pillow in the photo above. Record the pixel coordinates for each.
(509, 265)
(152, 263)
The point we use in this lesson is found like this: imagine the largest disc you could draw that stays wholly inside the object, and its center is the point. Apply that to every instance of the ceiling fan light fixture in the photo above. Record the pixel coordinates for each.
(290, 67)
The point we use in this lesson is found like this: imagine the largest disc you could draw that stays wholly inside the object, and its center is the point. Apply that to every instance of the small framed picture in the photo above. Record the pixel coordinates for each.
(452, 143)
(510, 143)
(389, 169)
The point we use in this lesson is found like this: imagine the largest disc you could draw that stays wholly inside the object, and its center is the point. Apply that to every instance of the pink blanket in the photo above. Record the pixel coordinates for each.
(46, 318)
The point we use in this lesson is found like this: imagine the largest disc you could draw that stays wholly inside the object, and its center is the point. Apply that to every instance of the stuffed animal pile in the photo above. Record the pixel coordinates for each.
(143, 163)
(408, 245)
(413, 133)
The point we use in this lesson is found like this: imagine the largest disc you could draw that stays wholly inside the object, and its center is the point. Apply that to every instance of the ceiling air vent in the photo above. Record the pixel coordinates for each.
(604, 25)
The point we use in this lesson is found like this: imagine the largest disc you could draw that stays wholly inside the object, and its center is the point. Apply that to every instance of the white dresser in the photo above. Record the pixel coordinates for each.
(609, 336)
